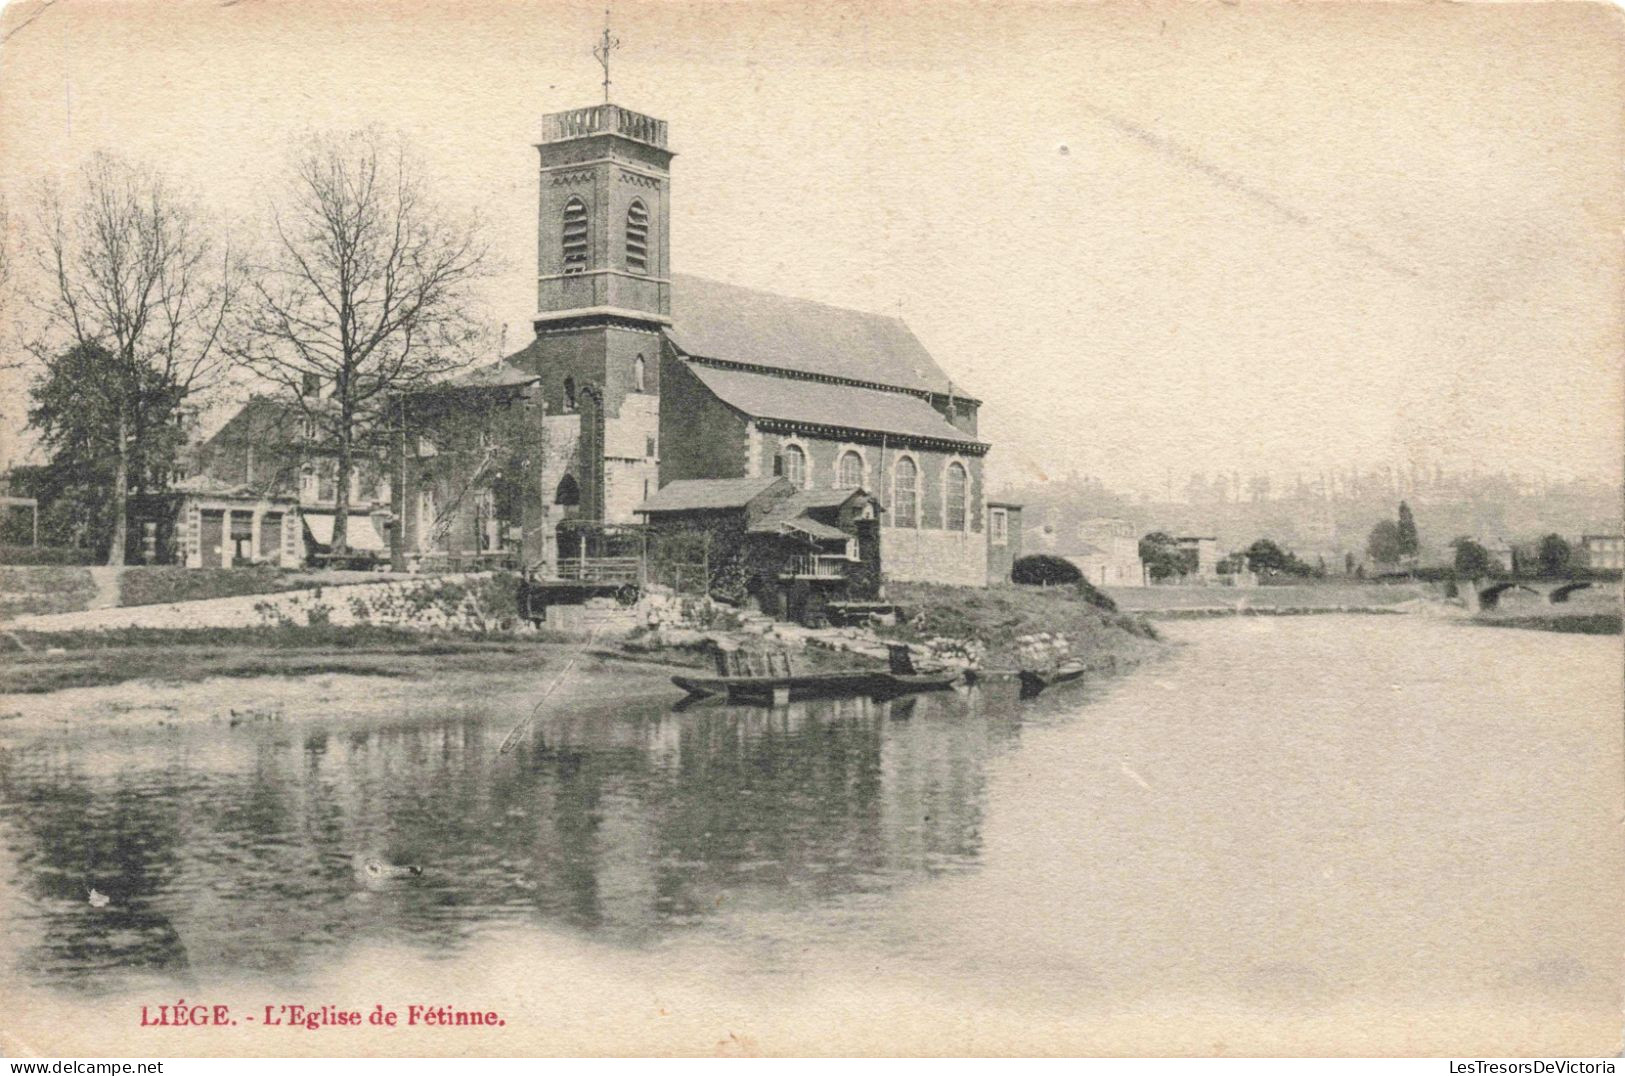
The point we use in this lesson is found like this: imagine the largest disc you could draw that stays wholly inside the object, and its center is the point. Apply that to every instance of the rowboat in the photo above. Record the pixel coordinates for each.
(769, 678)
(1034, 681)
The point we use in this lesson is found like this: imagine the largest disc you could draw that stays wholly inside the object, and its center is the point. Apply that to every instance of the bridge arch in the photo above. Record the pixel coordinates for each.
(1489, 597)
(1561, 594)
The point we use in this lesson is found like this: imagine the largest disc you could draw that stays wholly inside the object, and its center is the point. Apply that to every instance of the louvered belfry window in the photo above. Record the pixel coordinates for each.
(575, 236)
(637, 238)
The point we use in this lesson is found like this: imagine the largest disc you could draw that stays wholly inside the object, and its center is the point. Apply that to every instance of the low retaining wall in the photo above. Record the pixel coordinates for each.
(447, 602)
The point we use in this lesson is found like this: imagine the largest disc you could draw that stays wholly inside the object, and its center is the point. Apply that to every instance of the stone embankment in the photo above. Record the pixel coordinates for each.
(448, 603)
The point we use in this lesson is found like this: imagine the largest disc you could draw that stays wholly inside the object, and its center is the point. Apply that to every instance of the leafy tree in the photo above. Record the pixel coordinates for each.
(132, 319)
(1556, 555)
(1472, 559)
(1385, 544)
(1161, 557)
(1046, 570)
(1265, 557)
(366, 291)
(82, 439)
(1409, 544)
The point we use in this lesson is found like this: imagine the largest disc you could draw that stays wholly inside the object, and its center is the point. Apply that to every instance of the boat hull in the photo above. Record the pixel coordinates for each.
(1034, 682)
(775, 689)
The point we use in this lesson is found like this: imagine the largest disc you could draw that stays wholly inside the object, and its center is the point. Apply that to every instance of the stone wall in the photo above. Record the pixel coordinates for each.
(933, 556)
(425, 603)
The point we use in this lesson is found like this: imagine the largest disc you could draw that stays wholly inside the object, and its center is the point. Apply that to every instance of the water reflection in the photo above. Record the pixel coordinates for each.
(263, 849)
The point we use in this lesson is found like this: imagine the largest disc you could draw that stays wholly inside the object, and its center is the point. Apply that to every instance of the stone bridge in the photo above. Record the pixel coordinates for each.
(1481, 594)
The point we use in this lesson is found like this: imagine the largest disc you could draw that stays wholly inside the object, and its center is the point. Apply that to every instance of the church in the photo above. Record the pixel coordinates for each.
(639, 378)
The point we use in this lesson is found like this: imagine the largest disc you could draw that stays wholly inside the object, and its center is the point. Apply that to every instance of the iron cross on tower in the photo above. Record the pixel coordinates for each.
(609, 43)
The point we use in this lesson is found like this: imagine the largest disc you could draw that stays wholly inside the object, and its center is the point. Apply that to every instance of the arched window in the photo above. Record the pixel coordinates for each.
(793, 465)
(954, 497)
(850, 473)
(575, 236)
(639, 375)
(637, 238)
(569, 394)
(905, 493)
(568, 494)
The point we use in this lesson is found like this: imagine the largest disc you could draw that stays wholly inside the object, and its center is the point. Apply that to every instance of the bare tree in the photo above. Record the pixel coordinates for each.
(366, 291)
(137, 292)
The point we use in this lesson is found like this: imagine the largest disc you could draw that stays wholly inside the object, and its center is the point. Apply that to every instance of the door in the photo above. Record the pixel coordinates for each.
(242, 539)
(271, 537)
(213, 539)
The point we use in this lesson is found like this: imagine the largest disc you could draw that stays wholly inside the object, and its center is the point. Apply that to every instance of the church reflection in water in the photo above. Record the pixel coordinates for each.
(265, 850)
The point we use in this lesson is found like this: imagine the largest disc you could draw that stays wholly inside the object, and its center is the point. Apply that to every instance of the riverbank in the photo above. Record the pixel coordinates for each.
(150, 683)
(1297, 599)
(135, 675)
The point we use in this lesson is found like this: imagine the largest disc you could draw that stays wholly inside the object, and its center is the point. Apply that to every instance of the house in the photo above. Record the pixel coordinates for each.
(639, 378)
(1201, 555)
(202, 522)
(1110, 553)
(790, 550)
(1004, 539)
(261, 490)
(1603, 552)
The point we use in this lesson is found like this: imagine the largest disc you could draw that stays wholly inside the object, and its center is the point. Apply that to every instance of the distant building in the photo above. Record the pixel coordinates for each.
(1201, 555)
(1502, 556)
(1604, 552)
(1003, 540)
(1110, 553)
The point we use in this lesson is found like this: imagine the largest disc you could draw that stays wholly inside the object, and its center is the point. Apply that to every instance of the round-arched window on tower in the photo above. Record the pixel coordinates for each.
(574, 236)
(793, 465)
(850, 475)
(637, 237)
(640, 375)
(568, 493)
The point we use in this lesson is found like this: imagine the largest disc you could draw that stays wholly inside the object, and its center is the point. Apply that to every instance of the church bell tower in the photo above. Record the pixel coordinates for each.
(602, 252)
(603, 297)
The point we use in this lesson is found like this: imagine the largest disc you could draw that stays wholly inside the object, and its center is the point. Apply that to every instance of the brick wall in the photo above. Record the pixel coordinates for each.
(700, 437)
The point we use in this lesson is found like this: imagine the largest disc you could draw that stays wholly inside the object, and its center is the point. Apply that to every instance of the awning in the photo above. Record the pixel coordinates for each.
(810, 528)
(360, 534)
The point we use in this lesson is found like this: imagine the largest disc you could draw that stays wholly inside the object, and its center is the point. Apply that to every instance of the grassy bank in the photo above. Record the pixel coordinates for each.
(1577, 623)
(996, 617)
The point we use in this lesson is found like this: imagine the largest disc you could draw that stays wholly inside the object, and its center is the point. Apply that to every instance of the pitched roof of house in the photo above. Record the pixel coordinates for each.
(806, 525)
(724, 321)
(803, 499)
(821, 403)
(792, 512)
(701, 494)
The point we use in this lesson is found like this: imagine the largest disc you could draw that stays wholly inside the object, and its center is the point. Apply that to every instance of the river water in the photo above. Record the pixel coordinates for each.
(1311, 833)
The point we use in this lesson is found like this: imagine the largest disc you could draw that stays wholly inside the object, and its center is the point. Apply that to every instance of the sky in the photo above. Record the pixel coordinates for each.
(1153, 238)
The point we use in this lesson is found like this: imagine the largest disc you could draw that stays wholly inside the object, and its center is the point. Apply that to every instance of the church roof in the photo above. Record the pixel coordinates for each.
(724, 321)
(822, 403)
(705, 494)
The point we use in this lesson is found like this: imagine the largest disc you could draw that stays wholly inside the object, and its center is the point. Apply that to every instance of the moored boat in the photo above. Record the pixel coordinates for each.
(770, 678)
